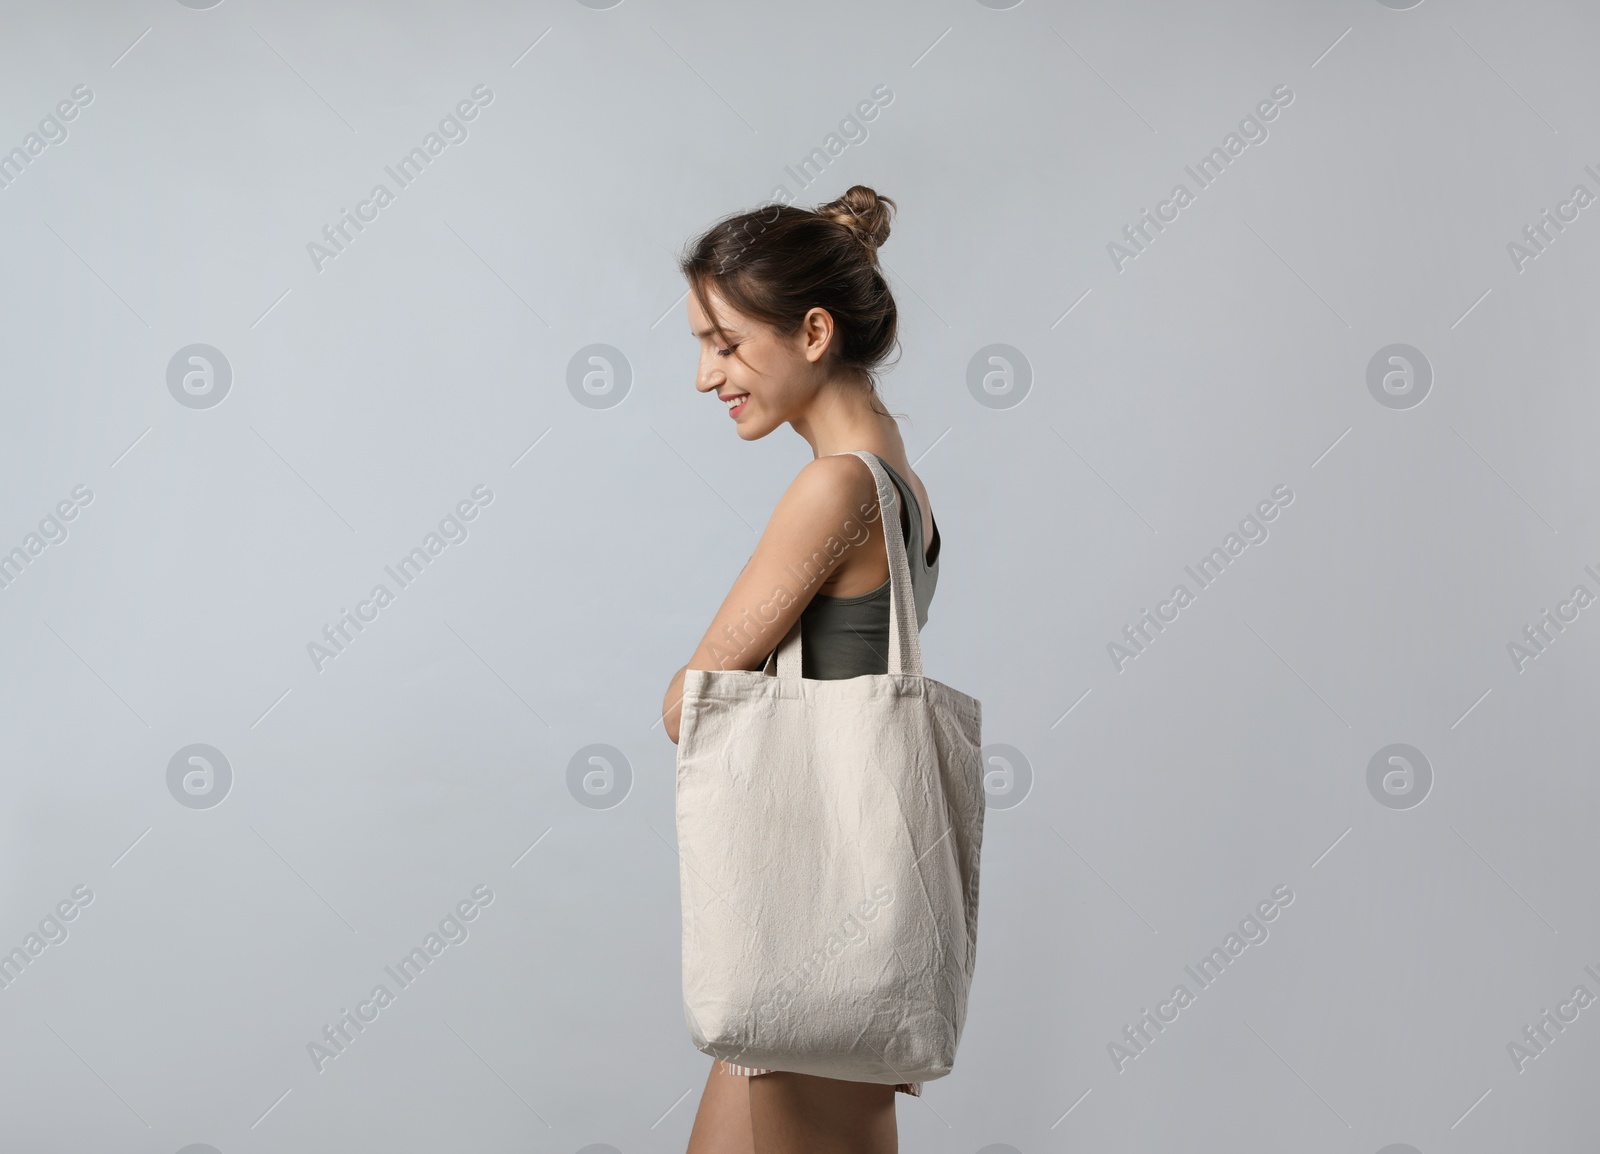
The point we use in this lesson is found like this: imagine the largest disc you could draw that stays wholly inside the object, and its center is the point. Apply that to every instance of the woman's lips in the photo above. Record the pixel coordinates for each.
(736, 409)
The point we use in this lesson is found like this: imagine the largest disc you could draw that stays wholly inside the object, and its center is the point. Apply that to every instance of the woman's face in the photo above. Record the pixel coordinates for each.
(772, 378)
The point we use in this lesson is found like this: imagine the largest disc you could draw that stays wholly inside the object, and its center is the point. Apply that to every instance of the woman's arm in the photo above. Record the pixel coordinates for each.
(830, 507)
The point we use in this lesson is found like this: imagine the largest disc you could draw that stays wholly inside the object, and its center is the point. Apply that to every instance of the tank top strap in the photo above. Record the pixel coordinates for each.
(913, 508)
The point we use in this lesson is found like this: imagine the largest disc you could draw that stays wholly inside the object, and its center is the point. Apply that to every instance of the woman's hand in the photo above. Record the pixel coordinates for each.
(672, 705)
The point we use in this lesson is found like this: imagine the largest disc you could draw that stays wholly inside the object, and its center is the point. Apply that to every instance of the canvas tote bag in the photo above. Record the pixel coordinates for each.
(828, 839)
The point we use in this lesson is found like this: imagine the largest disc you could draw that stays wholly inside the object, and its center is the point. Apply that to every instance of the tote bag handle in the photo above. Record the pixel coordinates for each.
(905, 646)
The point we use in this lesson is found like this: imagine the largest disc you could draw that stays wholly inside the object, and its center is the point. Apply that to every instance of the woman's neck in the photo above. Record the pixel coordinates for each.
(842, 417)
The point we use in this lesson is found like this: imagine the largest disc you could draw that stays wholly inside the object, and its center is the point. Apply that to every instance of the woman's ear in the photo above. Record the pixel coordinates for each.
(816, 332)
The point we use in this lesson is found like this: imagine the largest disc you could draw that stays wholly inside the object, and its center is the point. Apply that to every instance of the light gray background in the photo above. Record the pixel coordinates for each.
(1167, 400)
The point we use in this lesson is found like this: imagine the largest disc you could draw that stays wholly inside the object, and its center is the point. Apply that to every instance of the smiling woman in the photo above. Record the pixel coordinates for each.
(794, 318)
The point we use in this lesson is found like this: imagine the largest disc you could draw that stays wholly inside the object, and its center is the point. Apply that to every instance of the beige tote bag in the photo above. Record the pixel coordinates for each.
(828, 838)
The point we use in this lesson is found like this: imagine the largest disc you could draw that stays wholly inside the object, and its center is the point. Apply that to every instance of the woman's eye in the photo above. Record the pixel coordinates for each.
(727, 352)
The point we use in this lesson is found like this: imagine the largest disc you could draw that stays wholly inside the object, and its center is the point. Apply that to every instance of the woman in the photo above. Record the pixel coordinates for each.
(794, 318)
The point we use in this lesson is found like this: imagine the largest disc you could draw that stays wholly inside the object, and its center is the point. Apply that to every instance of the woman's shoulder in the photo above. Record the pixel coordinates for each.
(842, 481)
(821, 503)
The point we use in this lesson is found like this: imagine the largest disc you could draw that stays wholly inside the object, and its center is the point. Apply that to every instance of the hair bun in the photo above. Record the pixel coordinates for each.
(864, 213)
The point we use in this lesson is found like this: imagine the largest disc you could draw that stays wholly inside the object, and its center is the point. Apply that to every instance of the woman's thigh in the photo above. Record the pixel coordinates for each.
(722, 1123)
(802, 1114)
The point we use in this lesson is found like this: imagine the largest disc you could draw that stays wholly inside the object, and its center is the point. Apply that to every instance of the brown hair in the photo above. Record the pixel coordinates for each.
(776, 263)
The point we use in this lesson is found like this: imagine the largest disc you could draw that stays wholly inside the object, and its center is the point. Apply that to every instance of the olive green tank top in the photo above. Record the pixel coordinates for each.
(844, 637)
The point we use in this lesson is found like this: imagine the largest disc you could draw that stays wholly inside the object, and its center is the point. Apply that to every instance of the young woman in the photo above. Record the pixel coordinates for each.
(794, 317)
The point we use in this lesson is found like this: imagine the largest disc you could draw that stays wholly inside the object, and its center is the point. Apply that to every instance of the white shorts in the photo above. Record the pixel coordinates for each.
(912, 1088)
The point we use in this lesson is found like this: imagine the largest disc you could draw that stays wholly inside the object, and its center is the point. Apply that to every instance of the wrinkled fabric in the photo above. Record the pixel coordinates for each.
(829, 834)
